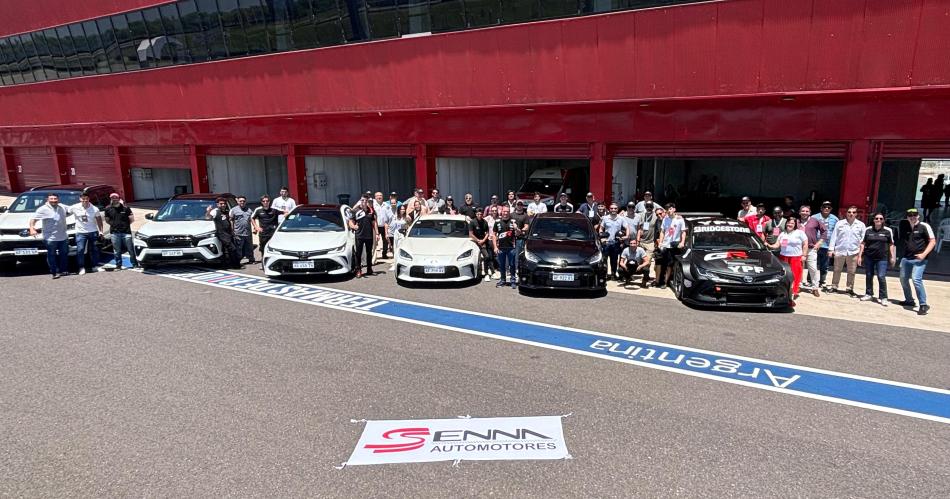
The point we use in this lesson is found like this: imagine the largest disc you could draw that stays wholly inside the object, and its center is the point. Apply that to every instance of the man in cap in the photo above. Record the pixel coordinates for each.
(563, 206)
(120, 219)
(828, 220)
(641, 206)
(918, 245)
(418, 195)
(492, 204)
(589, 208)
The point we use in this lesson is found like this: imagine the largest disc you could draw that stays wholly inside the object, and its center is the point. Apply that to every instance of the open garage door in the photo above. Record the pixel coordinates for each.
(158, 172)
(251, 176)
(92, 166)
(484, 177)
(34, 166)
(336, 179)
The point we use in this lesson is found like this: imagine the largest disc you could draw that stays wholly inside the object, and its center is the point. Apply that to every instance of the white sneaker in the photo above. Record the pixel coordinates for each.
(487, 278)
(885, 303)
(82, 270)
(97, 268)
(867, 298)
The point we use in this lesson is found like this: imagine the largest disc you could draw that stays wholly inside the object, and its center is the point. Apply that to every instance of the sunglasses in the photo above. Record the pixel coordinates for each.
(914, 215)
(852, 213)
(879, 218)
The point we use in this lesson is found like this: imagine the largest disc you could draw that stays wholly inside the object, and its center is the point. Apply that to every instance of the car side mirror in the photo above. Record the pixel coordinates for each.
(3, 209)
(149, 216)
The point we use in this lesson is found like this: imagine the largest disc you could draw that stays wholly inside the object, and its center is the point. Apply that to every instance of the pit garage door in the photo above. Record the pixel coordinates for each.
(34, 166)
(334, 179)
(92, 166)
(251, 176)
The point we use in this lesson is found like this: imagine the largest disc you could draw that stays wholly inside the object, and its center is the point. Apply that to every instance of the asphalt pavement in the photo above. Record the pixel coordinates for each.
(123, 383)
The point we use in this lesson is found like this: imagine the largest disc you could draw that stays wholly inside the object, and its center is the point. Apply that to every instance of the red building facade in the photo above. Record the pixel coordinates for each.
(860, 81)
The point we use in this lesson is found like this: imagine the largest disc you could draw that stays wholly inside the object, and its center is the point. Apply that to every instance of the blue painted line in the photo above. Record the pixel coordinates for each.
(888, 396)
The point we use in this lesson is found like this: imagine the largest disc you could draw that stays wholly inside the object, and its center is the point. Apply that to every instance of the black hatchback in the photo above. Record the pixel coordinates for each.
(562, 252)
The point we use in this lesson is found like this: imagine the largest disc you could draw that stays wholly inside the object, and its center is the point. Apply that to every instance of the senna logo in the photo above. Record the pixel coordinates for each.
(416, 435)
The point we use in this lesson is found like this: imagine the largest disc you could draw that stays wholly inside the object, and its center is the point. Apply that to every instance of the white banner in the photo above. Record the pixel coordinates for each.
(474, 439)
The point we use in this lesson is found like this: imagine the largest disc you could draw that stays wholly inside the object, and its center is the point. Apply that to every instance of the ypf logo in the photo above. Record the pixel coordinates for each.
(416, 435)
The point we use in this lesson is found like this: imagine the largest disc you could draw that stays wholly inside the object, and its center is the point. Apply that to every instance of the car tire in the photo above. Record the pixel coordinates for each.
(678, 282)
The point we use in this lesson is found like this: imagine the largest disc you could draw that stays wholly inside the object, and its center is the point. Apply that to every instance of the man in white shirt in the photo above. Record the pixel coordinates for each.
(284, 204)
(844, 246)
(384, 215)
(53, 218)
(536, 207)
(88, 228)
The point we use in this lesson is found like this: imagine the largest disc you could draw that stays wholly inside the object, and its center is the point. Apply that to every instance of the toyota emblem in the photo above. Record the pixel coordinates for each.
(747, 279)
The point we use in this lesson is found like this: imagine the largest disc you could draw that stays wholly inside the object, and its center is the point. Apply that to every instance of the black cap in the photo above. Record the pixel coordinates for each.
(519, 203)
(393, 193)
(648, 193)
(368, 194)
(447, 198)
(746, 198)
(563, 195)
(826, 203)
(631, 203)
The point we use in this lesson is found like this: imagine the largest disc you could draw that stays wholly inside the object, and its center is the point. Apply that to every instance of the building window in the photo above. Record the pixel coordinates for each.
(69, 51)
(234, 35)
(213, 29)
(447, 15)
(6, 63)
(96, 51)
(259, 34)
(110, 45)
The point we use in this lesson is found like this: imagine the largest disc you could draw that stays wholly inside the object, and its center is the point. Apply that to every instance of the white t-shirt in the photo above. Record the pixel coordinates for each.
(536, 208)
(53, 220)
(672, 232)
(85, 218)
(633, 257)
(280, 204)
(791, 243)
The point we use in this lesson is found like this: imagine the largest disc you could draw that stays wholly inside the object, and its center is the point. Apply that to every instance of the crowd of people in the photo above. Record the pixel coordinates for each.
(639, 239)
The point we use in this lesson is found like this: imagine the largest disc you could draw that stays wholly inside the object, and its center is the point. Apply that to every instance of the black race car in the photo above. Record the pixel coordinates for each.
(562, 252)
(724, 264)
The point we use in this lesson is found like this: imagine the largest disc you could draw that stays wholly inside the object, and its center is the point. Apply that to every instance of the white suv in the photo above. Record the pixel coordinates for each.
(179, 232)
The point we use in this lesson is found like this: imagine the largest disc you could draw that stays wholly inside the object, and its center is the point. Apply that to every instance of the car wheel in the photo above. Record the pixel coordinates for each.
(678, 282)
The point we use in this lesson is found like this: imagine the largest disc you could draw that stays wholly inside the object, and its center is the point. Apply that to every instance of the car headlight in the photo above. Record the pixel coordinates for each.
(596, 258)
(705, 274)
(405, 254)
(26, 232)
(337, 249)
(140, 236)
(271, 249)
(463, 256)
(205, 235)
(531, 257)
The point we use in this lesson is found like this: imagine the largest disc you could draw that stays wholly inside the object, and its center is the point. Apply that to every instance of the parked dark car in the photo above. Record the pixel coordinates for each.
(562, 252)
(724, 264)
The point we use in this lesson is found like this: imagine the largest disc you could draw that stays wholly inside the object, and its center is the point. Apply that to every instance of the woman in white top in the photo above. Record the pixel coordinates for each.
(793, 249)
(397, 227)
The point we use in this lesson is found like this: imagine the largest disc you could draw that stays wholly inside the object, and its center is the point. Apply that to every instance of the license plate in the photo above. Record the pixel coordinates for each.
(25, 251)
(563, 277)
(171, 253)
(434, 270)
(305, 264)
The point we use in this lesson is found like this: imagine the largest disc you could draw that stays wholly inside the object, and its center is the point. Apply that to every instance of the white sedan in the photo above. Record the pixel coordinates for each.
(313, 239)
(437, 248)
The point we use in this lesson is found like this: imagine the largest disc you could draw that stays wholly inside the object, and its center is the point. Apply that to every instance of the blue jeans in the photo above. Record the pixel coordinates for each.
(84, 239)
(913, 270)
(118, 241)
(506, 261)
(876, 268)
(822, 264)
(57, 256)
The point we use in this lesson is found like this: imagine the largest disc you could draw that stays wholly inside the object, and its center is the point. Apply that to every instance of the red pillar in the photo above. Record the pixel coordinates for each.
(857, 178)
(199, 169)
(601, 172)
(62, 167)
(10, 170)
(425, 168)
(297, 175)
(123, 173)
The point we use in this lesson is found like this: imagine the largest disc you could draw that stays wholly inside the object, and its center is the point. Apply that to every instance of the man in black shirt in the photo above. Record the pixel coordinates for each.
(120, 218)
(224, 231)
(563, 206)
(920, 242)
(478, 232)
(877, 249)
(522, 220)
(503, 240)
(468, 208)
(363, 224)
(265, 219)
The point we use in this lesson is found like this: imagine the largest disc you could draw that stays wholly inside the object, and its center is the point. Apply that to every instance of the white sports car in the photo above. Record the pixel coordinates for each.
(313, 239)
(437, 248)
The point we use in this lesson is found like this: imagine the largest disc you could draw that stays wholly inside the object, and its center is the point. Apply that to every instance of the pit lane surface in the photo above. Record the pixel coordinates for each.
(139, 384)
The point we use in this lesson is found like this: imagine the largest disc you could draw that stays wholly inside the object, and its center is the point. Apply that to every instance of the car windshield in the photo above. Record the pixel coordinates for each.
(725, 238)
(548, 186)
(561, 229)
(313, 221)
(439, 228)
(28, 202)
(179, 210)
